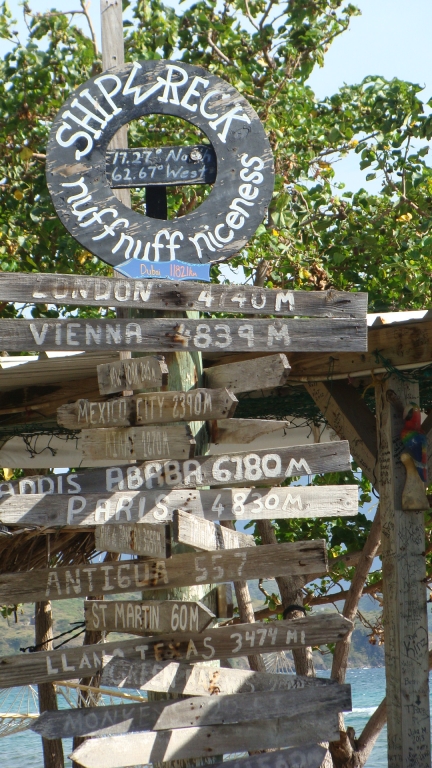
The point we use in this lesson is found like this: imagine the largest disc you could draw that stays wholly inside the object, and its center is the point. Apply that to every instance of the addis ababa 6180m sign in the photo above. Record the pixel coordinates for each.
(138, 245)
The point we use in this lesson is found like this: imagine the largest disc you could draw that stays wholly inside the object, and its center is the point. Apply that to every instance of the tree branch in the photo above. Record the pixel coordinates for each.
(218, 51)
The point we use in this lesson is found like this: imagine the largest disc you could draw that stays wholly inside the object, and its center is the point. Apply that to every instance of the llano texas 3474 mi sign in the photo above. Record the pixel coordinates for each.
(138, 245)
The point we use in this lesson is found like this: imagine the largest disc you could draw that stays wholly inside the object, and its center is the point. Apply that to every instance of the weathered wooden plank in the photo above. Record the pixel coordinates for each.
(161, 166)
(154, 408)
(90, 509)
(304, 756)
(143, 617)
(203, 534)
(305, 558)
(244, 431)
(159, 294)
(248, 375)
(133, 539)
(199, 679)
(264, 466)
(136, 373)
(404, 589)
(159, 442)
(183, 743)
(219, 643)
(169, 335)
(197, 711)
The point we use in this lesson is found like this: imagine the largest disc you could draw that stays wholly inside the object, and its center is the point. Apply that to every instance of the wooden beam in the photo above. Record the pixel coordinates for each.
(154, 408)
(404, 591)
(155, 294)
(138, 617)
(305, 558)
(205, 535)
(220, 643)
(199, 679)
(91, 509)
(347, 413)
(265, 466)
(198, 711)
(168, 335)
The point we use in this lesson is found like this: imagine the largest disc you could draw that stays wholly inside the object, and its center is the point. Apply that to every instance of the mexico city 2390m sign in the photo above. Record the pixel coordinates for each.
(86, 204)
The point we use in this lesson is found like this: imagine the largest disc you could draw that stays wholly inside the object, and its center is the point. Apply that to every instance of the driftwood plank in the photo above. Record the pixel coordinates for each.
(183, 743)
(197, 711)
(266, 466)
(136, 373)
(219, 643)
(203, 534)
(90, 509)
(159, 294)
(304, 756)
(199, 679)
(250, 375)
(139, 617)
(243, 431)
(305, 558)
(169, 335)
(160, 442)
(155, 408)
(133, 539)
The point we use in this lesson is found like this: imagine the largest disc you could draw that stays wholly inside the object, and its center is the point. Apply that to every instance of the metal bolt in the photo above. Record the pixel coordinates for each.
(195, 156)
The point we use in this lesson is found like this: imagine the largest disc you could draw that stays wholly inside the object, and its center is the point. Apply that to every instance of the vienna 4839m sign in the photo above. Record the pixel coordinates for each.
(80, 176)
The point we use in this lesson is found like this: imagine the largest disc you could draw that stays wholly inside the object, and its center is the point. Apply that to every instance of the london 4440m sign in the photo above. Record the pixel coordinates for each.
(128, 240)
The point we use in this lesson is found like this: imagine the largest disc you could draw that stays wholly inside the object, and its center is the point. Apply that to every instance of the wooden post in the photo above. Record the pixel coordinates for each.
(52, 749)
(404, 589)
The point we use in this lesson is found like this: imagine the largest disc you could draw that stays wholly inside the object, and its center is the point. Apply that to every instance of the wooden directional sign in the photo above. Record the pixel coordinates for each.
(260, 467)
(199, 679)
(80, 189)
(153, 294)
(138, 617)
(250, 375)
(133, 539)
(305, 558)
(136, 373)
(198, 711)
(243, 431)
(116, 508)
(205, 741)
(166, 166)
(304, 756)
(218, 643)
(203, 534)
(160, 442)
(155, 408)
(170, 335)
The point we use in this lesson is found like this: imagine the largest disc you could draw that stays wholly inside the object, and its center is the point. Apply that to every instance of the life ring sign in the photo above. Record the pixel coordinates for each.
(80, 171)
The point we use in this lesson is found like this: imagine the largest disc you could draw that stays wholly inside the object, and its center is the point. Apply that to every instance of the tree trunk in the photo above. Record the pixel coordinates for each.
(52, 748)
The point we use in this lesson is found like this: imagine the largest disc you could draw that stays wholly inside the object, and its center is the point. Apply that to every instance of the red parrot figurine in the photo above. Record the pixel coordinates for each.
(414, 459)
(414, 439)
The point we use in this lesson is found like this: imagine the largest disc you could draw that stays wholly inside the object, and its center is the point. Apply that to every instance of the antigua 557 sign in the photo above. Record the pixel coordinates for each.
(134, 244)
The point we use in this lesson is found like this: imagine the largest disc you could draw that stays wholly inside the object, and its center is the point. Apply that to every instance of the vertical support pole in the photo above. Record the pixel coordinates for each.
(404, 589)
(52, 748)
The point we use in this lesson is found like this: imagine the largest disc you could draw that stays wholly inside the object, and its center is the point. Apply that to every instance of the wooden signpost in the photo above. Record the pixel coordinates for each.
(170, 335)
(183, 743)
(156, 408)
(220, 643)
(160, 442)
(260, 467)
(244, 431)
(196, 711)
(89, 291)
(203, 534)
(304, 756)
(250, 375)
(135, 373)
(116, 508)
(133, 539)
(199, 679)
(306, 559)
(139, 617)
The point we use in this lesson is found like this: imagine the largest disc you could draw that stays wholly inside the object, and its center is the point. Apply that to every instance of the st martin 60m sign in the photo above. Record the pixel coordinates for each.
(80, 188)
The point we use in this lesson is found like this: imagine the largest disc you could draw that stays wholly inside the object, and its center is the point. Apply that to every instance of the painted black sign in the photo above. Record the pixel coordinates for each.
(77, 173)
(166, 166)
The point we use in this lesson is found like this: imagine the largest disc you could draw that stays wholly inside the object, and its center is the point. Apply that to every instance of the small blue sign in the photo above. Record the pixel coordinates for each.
(168, 270)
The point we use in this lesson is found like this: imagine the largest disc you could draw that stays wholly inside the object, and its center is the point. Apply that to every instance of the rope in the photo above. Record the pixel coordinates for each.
(33, 648)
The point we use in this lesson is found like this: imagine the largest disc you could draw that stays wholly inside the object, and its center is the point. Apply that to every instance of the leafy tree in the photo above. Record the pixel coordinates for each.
(317, 234)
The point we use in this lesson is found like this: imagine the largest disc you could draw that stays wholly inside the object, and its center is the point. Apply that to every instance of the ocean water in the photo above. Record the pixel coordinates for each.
(23, 750)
